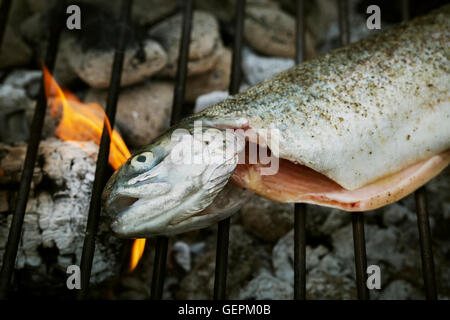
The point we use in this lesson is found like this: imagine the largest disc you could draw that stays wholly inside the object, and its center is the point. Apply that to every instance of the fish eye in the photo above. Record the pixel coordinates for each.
(142, 160)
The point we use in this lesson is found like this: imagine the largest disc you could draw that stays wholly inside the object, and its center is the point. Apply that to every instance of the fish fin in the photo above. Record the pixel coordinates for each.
(214, 182)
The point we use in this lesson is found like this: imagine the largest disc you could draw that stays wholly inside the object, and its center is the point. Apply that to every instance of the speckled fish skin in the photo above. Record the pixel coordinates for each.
(360, 112)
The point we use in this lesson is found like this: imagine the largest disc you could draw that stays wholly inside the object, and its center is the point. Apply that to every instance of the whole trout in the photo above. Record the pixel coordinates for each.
(357, 128)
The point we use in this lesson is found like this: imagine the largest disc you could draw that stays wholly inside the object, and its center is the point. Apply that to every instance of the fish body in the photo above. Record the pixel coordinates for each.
(360, 112)
(356, 128)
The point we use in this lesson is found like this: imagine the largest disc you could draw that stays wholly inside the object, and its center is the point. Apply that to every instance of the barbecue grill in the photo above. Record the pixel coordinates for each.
(102, 171)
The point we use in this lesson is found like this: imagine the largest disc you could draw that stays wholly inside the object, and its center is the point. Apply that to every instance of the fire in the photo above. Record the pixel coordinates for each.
(84, 122)
(136, 253)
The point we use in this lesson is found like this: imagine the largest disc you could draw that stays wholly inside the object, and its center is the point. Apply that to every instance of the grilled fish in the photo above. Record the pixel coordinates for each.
(356, 129)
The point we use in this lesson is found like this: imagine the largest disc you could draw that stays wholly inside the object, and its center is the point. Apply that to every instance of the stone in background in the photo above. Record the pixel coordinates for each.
(143, 110)
(205, 46)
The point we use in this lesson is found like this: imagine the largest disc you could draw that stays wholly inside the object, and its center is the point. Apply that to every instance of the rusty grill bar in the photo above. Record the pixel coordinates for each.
(162, 242)
(223, 232)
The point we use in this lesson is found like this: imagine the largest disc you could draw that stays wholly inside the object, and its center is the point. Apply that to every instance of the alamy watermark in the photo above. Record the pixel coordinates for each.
(216, 146)
(74, 20)
(374, 20)
(373, 277)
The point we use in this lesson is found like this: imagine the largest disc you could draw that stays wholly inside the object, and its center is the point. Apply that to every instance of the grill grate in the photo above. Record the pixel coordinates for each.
(425, 244)
(180, 85)
(4, 10)
(359, 242)
(15, 230)
(223, 231)
(300, 208)
(102, 168)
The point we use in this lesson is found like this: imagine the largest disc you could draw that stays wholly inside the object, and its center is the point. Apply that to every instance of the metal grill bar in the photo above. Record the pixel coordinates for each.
(359, 244)
(101, 170)
(425, 244)
(300, 208)
(159, 268)
(15, 230)
(220, 279)
(180, 84)
(359, 241)
(423, 223)
(299, 251)
(405, 10)
(344, 28)
(4, 11)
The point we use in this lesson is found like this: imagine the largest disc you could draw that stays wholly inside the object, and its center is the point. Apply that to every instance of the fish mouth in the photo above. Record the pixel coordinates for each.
(119, 203)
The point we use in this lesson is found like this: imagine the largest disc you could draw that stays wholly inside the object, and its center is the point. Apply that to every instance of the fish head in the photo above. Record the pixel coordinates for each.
(163, 188)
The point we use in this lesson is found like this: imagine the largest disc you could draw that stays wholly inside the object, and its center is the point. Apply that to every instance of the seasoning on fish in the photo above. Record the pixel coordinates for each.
(357, 128)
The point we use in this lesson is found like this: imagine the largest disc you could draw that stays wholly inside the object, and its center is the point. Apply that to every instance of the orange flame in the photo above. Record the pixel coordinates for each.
(84, 122)
(136, 253)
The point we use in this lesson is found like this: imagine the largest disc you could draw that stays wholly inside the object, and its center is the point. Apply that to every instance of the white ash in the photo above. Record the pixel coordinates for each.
(14, 105)
(56, 213)
(197, 248)
(209, 99)
(266, 287)
(182, 255)
(257, 68)
(22, 78)
(16, 92)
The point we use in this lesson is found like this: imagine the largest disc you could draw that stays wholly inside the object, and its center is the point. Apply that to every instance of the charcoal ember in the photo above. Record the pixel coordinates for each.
(266, 287)
(143, 11)
(35, 31)
(266, 219)
(11, 162)
(88, 53)
(27, 79)
(56, 213)
(17, 91)
(225, 10)
(14, 105)
(199, 282)
(399, 290)
(17, 54)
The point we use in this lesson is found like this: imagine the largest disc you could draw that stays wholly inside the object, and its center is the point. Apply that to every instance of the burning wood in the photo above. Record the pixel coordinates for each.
(56, 215)
(84, 122)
